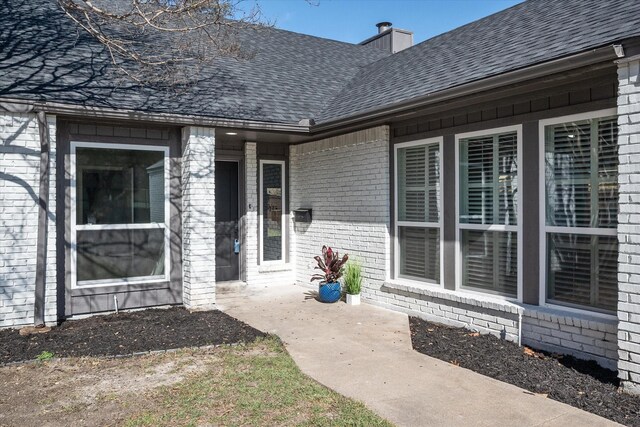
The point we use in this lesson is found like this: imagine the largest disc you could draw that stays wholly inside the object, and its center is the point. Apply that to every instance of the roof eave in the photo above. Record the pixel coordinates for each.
(582, 59)
(26, 106)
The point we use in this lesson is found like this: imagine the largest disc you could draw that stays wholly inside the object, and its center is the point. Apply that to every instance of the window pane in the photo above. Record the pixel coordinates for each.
(568, 174)
(583, 270)
(433, 183)
(581, 167)
(419, 183)
(477, 180)
(119, 186)
(608, 173)
(119, 254)
(420, 252)
(490, 261)
(508, 179)
(271, 212)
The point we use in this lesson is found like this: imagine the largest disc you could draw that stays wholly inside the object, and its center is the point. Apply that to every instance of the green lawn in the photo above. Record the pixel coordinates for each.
(258, 384)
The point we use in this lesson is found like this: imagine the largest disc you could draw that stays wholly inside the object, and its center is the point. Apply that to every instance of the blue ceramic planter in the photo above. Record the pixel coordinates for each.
(329, 292)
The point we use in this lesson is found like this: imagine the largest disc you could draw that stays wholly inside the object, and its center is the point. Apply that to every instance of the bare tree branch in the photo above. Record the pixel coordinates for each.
(164, 42)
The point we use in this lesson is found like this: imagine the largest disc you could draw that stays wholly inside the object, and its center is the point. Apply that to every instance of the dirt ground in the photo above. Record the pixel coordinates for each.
(226, 373)
(92, 392)
(247, 384)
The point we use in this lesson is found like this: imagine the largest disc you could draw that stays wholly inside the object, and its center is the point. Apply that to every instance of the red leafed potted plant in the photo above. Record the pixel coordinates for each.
(331, 265)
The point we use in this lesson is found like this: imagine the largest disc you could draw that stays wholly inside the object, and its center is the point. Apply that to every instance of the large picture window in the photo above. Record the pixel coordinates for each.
(418, 208)
(119, 212)
(581, 211)
(488, 212)
(272, 210)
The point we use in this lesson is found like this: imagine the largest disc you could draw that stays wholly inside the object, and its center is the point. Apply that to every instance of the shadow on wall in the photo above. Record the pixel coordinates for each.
(19, 199)
(138, 296)
(11, 151)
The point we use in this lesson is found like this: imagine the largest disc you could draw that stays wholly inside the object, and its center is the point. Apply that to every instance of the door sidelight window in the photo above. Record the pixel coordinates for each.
(272, 210)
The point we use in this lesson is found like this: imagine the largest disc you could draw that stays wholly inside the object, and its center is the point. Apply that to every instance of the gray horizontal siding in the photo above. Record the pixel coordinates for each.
(595, 90)
(97, 299)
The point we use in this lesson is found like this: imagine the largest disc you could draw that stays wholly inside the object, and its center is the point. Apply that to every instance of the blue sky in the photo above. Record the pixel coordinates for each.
(354, 20)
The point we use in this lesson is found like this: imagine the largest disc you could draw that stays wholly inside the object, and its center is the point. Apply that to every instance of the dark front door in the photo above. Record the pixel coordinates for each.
(227, 233)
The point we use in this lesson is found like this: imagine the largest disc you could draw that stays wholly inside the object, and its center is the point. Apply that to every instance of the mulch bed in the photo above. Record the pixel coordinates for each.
(579, 383)
(126, 333)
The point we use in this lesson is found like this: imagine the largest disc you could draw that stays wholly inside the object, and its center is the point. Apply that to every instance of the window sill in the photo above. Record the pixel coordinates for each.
(110, 288)
(570, 313)
(433, 291)
(539, 311)
(274, 268)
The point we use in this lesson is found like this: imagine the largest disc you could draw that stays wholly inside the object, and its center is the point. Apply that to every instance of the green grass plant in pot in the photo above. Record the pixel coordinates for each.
(352, 279)
(331, 266)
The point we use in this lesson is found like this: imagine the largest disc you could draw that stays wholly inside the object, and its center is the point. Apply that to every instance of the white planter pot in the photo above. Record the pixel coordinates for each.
(353, 299)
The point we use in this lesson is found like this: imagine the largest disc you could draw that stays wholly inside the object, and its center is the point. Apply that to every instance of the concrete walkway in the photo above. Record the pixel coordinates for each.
(364, 352)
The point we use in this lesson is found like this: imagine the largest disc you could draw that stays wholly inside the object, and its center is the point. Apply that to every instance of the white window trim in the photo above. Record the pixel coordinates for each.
(417, 281)
(488, 227)
(261, 213)
(74, 227)
(542, 204)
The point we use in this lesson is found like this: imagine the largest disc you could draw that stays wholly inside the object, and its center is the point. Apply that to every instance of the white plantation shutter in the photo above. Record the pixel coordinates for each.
(608, 173)
(605, 294)
(507, 179)
(477, 179)
(433, 183)
(420, 252)
(478, 256)
(568, 162)
(581, 171)
(419, 183)
(583, 269)
(507, 264)
(488, 197)
(418, 178)
(487, 256)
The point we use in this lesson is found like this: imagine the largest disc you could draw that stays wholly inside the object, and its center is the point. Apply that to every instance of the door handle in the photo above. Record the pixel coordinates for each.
(236, 246)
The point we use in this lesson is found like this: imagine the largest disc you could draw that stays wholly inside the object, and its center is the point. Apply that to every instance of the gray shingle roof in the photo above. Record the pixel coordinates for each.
(526, 34)
(294, 76)
(291, 76)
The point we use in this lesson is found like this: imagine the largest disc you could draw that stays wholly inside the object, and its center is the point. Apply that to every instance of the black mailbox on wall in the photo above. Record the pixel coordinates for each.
(302, 215)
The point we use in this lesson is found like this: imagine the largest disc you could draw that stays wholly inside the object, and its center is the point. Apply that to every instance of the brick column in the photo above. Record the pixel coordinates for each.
(198, 218)
(629, 224)
(250, 220)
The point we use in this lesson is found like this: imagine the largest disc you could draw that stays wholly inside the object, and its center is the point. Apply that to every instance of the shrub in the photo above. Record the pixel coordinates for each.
(331, 265)
(352, 278)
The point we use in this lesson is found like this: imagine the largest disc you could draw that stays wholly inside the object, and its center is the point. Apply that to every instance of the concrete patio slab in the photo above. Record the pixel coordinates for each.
(364, 352)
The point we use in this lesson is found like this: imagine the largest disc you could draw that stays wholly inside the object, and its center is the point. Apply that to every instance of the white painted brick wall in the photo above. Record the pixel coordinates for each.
(254, 274)
(250, 219)
(499, 318)
(19, 194)
(345, 181)
(583, 336)
(629, 224)
(586, 337)
(198, 219)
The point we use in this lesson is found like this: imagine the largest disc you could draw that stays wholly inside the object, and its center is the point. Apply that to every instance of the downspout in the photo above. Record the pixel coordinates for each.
(43, 206)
